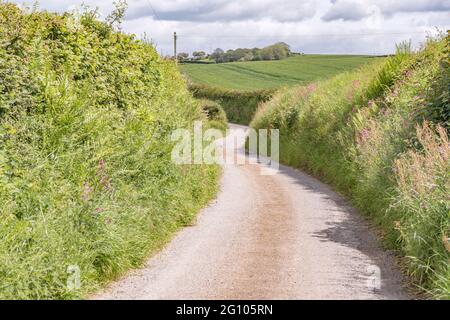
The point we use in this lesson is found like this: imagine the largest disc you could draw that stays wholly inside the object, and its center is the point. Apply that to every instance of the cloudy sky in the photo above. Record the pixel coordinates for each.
(322, 26)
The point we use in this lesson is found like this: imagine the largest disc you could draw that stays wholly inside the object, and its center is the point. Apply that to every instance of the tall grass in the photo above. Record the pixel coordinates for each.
(86, 177)
(423, 190)
(358, 132)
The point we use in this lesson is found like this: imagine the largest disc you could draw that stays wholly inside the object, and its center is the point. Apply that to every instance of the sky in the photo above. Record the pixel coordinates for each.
(322, 26)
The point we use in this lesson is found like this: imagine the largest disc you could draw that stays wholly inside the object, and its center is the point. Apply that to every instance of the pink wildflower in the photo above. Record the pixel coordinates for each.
(87, 190)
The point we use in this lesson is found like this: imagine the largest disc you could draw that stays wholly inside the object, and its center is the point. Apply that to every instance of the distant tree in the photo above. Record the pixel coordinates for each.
(257, 54)
(239, 54)
(285, 47)
(218, 55)
(277, 51)
(228, 56)
(199, 55)
(248, 56)
(267, 53)
(182, 56)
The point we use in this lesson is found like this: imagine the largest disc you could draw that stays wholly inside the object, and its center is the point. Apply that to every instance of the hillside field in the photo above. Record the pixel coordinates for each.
(272, 74)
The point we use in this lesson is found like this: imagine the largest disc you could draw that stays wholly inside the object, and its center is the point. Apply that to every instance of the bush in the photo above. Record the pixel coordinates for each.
(86, 177)
(239, 106)
(212, 110)
(357, 131)
(215, 114)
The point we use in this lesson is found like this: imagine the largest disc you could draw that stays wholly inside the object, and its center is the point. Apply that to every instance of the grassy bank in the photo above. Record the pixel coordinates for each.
(379, 135)
(86, 179)
(260, 75)
(239, 106)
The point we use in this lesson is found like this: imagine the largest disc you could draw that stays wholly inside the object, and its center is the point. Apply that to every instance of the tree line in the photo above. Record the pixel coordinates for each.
(277, 51)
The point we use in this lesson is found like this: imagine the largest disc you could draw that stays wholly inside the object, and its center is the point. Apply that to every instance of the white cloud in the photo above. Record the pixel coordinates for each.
(393, 7)
(347, 11)
(322, 26)
(223, 10)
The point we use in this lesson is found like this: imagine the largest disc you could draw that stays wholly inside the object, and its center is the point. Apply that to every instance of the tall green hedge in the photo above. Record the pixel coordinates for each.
(86, 177)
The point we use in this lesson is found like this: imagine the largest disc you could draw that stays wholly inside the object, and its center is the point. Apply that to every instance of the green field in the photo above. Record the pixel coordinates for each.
(272, 74)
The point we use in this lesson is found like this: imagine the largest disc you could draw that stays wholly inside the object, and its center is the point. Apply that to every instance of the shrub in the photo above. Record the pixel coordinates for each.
(212, 110)
(215, 114)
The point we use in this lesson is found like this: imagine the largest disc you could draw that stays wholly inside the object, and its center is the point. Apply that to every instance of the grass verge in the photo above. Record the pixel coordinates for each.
(380, 136)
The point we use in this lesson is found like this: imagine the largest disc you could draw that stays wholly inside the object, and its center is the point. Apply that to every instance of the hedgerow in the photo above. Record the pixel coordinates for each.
(239, 106)
(86, 178)
(379, 136)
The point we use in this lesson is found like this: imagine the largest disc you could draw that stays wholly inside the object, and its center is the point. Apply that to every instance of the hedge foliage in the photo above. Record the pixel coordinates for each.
(86, 178)
(379, 136)
(240, 106)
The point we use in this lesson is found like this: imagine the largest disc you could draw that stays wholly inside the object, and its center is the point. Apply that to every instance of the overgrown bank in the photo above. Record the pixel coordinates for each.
(87, 185)
(380, 135)
(239, 106)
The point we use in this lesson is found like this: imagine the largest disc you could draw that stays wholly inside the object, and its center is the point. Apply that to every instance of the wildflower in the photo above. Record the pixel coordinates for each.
(311, 88)
(364, 135)
(105, 181)
(87, 190)
(397, 225)
(101, 165)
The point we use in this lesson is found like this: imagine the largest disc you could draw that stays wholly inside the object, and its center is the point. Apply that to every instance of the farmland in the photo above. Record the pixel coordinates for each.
(249, 76)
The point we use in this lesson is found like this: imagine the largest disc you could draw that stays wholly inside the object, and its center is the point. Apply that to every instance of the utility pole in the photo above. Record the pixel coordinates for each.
(175, 47)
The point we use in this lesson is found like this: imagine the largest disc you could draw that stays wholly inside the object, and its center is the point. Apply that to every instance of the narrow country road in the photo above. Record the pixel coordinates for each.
(284, 236)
